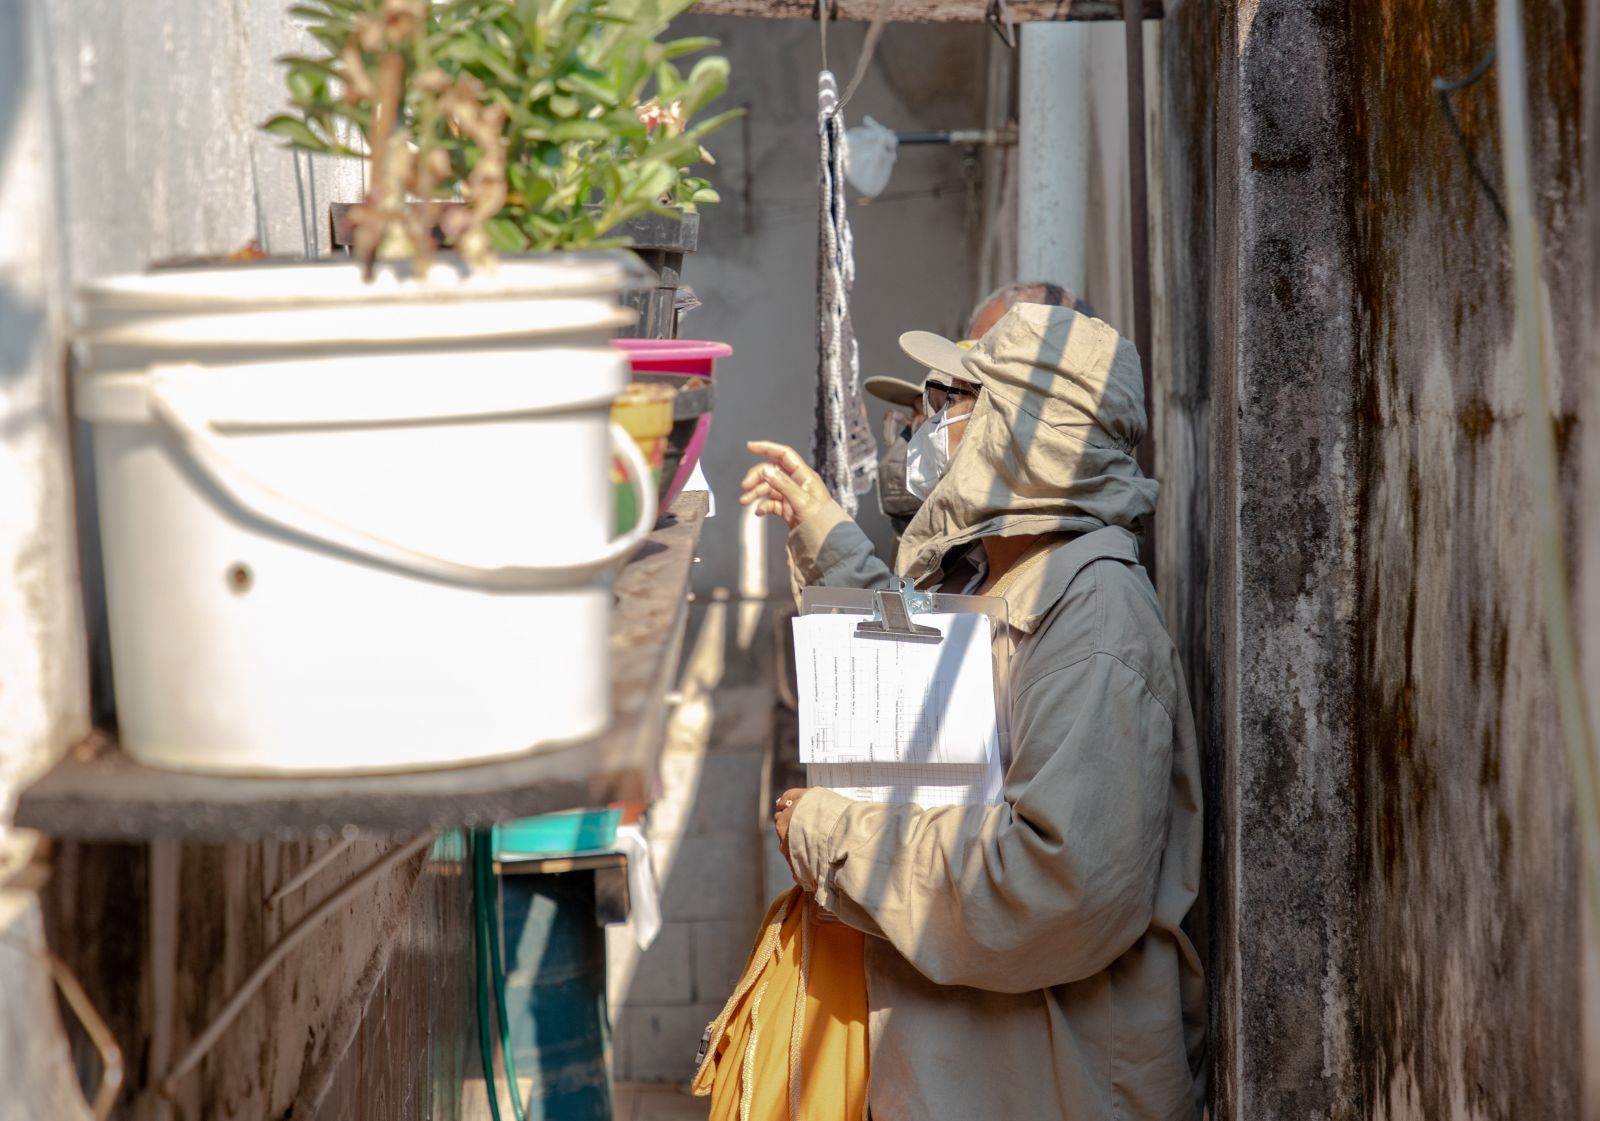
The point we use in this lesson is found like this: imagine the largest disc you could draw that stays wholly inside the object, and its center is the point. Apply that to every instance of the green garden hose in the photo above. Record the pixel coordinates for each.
(480, 950)
(491, 974)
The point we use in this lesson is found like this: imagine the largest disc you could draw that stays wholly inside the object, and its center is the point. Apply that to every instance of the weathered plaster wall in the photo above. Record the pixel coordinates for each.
(1284, 497)
(127, 136)
(1396, 911)
(1588, 498)
(44, 687)
(43, 683)
(157, 150)
(34, 1064)
(1469, 946)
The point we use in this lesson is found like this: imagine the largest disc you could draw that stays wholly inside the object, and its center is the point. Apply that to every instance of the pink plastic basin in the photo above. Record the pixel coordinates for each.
(686, 358)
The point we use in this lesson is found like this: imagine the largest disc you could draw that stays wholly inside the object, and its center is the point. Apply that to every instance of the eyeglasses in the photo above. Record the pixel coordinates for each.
(936, 395)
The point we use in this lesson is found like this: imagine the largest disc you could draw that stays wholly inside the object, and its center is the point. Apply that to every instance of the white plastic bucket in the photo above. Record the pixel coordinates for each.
(358, 527)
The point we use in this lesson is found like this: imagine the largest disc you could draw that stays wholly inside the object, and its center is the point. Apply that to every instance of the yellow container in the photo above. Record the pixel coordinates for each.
(645, 410)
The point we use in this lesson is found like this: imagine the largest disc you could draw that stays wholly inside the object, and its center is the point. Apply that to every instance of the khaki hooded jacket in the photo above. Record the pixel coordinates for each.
(1027, 961)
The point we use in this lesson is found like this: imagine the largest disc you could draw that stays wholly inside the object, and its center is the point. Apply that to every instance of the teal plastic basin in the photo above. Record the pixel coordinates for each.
(557, 834)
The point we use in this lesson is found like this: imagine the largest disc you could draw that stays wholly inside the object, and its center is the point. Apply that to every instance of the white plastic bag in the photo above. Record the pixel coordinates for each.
(869, 152)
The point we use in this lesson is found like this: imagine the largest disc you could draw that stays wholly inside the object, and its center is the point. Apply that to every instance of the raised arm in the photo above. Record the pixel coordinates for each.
(826, 546)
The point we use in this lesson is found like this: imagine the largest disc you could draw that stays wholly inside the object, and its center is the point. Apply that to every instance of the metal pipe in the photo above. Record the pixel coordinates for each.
(1139, 208)
(163, 949)
(1001, 137)
(1053, 155)
(105, 1098)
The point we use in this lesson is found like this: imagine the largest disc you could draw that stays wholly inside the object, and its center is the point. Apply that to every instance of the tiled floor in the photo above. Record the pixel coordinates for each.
(651, 1101)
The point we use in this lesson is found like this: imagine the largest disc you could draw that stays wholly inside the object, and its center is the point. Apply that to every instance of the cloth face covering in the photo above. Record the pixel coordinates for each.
(928, 452)
(894, 497)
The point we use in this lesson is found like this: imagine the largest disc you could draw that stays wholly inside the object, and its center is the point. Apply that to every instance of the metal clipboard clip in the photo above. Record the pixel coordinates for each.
(895, 606)
(890, 614)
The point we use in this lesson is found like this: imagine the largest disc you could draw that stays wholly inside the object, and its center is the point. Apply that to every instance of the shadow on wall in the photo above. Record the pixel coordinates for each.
(706, 836)
(14, 71)
(21, 318)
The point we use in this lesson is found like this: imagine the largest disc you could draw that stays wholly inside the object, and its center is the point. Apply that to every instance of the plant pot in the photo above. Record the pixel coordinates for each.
(645, 412)
(680, 362)
(357, 526)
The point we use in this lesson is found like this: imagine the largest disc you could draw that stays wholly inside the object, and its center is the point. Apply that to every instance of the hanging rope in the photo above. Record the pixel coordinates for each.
(869, 47)
(842, 449)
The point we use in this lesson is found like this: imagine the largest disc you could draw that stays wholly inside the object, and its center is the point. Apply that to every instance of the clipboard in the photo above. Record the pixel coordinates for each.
(890, 615)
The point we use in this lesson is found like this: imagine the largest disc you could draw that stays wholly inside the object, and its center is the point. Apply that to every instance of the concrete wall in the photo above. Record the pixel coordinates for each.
(1395, 894)
(44, 689)
(756, 268)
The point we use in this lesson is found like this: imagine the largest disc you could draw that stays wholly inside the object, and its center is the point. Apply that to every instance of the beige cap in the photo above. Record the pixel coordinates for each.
(896, 391)
(937, 353)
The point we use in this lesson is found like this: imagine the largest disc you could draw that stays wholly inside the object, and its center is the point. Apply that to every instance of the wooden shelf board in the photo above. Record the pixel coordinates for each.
(98, 792)
(930, 11)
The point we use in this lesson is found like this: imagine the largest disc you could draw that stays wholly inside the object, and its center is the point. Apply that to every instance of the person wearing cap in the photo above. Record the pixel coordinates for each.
(901, 422)
(1026, 960)
(895, 498)
(1001, 300)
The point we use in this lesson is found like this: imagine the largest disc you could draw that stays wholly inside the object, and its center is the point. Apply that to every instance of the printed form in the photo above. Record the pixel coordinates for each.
(883, 720)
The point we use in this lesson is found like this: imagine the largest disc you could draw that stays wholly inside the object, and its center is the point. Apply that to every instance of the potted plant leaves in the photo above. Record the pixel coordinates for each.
(357, 515)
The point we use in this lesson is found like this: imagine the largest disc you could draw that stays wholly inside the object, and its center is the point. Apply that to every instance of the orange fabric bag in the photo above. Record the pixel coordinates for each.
(791, 1043)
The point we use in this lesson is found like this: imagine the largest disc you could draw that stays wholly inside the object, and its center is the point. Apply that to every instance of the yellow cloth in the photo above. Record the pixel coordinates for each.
(770, 1057)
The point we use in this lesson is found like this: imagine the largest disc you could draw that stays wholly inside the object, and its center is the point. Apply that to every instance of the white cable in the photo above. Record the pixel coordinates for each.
(347, 838)
(1545, 493)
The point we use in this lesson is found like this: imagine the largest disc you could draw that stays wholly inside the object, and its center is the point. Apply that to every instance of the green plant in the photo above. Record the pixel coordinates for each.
(504, 125)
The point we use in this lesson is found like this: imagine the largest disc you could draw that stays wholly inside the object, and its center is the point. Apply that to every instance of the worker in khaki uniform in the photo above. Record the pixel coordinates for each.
(1025, 961)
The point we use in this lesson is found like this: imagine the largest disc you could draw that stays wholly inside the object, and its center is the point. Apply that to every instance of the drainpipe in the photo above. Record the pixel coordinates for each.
(1053, 155)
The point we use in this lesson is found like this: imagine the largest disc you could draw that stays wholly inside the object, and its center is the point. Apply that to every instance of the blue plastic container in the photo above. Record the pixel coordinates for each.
(557, 834)
(556, 995)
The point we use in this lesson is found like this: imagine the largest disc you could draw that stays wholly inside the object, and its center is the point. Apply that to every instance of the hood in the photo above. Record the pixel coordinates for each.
(1049, 448)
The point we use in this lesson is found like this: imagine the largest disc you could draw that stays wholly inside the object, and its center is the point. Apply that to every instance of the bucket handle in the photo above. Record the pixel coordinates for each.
(198, 437)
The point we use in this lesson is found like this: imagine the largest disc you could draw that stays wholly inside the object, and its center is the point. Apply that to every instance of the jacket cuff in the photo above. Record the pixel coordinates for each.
(811, 836)
(807, 540)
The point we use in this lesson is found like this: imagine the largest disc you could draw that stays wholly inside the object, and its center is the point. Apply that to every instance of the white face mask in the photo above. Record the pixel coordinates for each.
(928, 453)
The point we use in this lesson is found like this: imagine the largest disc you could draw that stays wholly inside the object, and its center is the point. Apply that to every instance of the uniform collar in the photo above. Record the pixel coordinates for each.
(1037, 582)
